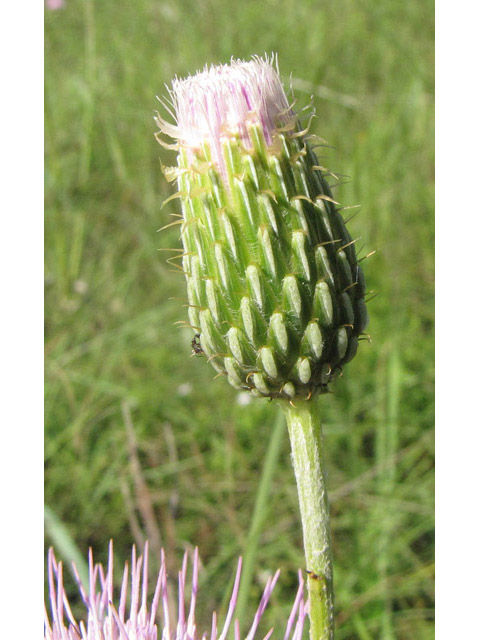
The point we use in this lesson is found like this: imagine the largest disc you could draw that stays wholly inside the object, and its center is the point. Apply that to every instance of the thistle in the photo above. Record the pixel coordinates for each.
(275, 292)
(141, 621)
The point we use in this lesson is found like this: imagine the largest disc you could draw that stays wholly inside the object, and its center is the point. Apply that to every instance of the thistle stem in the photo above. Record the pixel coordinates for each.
(308, 462)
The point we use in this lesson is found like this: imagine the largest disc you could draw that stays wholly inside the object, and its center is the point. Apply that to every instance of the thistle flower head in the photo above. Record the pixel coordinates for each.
(222, 101)
(141, 620)
(275, 291)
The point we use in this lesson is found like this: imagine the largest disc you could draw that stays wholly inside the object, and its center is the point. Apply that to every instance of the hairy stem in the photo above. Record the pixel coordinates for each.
(308, 463)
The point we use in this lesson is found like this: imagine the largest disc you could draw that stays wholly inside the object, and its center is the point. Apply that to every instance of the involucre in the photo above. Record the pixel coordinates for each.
(275, 292)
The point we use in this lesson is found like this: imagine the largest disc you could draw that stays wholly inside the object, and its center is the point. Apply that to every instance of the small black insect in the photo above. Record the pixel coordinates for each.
(196, 346)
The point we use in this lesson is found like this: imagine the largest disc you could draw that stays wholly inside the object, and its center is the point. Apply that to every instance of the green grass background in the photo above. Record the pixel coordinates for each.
(128, 454)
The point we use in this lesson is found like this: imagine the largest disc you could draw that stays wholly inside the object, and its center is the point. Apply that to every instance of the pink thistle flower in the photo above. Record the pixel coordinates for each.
(222, 101)
(54, 5)
(107, 621)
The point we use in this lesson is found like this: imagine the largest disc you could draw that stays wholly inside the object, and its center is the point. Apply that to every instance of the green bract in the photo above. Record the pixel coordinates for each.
(275, 292)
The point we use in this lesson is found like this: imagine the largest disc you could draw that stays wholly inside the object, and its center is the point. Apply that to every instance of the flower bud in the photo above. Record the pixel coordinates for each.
(274, 288)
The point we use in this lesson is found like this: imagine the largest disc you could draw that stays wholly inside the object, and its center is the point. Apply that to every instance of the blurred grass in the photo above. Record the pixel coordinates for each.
(138, 437)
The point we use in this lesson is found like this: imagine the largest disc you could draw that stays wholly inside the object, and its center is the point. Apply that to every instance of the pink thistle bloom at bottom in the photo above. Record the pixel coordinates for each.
(107, 621)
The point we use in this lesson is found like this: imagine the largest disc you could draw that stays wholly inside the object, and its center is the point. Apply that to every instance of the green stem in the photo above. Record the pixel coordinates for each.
(308, 463)
(259, 513)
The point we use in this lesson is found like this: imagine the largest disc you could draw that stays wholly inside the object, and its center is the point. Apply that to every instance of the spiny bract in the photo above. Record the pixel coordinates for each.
(275, 292)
